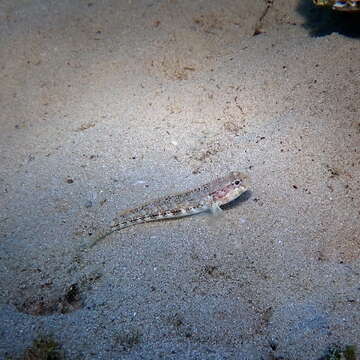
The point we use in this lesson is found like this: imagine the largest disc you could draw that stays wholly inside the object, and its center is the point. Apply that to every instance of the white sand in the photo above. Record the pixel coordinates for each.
(107, 104)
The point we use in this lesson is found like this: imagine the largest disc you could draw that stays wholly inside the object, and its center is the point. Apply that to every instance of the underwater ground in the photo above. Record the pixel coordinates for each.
(108, 104)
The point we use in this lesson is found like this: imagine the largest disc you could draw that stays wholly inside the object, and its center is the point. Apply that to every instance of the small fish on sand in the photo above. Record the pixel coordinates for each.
(208, 197)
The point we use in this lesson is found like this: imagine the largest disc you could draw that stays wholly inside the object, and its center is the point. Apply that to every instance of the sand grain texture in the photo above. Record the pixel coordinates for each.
(109, 104)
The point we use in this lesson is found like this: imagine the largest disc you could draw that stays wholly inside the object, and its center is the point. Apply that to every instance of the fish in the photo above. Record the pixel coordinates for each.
(206, 198)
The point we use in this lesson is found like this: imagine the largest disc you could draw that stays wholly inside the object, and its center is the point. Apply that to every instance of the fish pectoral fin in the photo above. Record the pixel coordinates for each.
(216, 215)
(215, 209)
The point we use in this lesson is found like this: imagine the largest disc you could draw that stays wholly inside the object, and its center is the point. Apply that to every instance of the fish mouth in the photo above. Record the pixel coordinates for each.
(244, 196)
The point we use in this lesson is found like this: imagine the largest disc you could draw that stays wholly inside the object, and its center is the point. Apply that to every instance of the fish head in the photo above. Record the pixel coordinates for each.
(235, 184)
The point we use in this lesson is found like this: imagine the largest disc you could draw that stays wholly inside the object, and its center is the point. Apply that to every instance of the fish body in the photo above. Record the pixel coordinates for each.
(208, 197)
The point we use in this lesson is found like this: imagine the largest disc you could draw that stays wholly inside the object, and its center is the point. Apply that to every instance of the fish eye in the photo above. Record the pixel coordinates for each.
(237, 182)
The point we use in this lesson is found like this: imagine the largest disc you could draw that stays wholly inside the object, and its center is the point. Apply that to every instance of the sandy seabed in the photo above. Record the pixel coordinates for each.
(109, 104)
